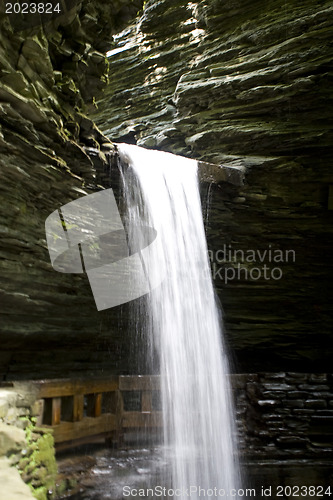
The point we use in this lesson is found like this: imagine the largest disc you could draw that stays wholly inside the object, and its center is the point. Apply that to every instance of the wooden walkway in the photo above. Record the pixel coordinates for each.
(81, 410)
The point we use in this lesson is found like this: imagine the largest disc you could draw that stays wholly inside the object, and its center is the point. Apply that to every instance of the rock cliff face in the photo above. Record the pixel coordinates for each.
(49, 72)
(248, 84)
(237, 82)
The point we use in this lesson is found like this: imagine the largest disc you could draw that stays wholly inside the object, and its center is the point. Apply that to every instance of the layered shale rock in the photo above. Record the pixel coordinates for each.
(236, 83)
(50, 69)
(245, 84)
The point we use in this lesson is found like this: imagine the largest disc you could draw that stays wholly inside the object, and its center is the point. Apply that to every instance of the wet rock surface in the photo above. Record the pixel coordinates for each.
(49, 72)
(101, 473)
(232, 83)
(110, 474)
(284, 415)
(248, 85)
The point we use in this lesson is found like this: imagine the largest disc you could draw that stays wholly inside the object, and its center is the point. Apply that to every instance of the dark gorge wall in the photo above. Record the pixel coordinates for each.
(246, 84)
(241, 83)
(50, 70)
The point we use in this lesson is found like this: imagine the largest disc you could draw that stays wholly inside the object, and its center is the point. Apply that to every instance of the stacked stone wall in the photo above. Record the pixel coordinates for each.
(285, 415)
(27, 454)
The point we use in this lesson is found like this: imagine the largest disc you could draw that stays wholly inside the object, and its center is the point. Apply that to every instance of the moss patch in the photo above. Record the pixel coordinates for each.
(39, 468)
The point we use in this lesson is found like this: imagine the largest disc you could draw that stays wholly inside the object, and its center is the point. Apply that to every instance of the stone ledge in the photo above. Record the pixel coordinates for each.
(210, 172)
(12, 486)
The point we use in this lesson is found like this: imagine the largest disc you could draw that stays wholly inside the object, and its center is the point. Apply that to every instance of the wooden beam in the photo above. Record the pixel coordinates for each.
(71, 431)
(136, 419)
(139, 382)
(66, 387)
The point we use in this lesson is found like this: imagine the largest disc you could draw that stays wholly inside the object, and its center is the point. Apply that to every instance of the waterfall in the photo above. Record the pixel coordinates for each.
(162, 193)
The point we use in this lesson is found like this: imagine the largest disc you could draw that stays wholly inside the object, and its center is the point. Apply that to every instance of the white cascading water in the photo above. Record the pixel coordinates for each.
(184, 320)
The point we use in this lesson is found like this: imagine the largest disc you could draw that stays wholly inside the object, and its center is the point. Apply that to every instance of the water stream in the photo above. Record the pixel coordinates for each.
(182, 321)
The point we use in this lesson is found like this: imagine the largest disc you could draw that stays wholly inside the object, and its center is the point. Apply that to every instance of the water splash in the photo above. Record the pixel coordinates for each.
(183, 319)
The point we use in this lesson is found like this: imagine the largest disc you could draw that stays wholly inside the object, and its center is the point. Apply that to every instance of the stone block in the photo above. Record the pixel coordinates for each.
(269, 402)
(272, 416)
(37, 408)
(12, 485)
(297, 395)
(315, 403)
(3, 408)
(326, 395)
(11, 417)
(318, 377)
(292, 441)
(9, 396)
(296, 377)
(278, 387)
(293, 403)
(273, 394)
(12, 439)
(298, 425)
(304, 411)
(275, 376)
(285, 411)
(308, 387)
(324, 413)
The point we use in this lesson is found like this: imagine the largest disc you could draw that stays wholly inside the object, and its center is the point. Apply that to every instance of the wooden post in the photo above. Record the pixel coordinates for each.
(56, 411)
(94, 405)
(98, 404)
(119, 435)
(78, 407)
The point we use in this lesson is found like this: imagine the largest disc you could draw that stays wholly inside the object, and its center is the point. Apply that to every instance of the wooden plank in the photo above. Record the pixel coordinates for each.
(56, 411)
(139, 382)
(65, 387)
(50, 389)
(88, 426)
(93, 386)
(146, 401)
(136, 419)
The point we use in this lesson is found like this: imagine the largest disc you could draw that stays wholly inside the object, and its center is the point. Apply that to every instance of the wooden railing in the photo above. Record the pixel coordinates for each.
(83, 409)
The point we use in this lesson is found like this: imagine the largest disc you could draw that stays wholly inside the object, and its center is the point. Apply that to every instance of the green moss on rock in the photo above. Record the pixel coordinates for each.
(39, 467)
